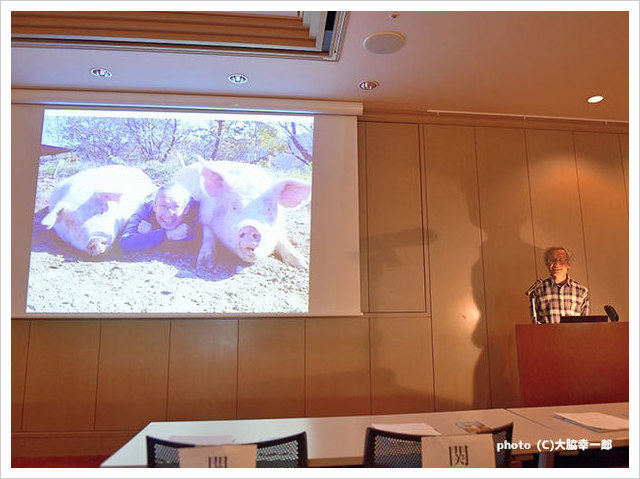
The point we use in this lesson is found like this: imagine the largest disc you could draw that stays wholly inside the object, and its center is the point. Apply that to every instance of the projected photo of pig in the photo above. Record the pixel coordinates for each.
(89, 209)
(239, 206)
(148, 212)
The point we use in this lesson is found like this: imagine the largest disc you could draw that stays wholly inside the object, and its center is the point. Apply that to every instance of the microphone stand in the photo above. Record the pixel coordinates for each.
(531, 292)
(534, 312)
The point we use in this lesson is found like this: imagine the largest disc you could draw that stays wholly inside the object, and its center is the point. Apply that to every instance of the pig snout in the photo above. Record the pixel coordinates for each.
(96, 246)
(248, 240)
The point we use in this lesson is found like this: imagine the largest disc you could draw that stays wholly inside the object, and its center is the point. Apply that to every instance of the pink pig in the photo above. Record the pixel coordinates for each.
(88, 210)
(240, 206)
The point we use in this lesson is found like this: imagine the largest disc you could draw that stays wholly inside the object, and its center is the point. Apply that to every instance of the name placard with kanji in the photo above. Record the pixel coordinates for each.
(467, 450)
(218, 456)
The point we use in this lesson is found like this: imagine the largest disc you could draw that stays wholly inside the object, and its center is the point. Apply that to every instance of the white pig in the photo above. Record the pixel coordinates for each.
(88, 210)
(240, 207)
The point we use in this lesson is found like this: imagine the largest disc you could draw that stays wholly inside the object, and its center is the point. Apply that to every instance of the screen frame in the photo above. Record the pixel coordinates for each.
(46, 99)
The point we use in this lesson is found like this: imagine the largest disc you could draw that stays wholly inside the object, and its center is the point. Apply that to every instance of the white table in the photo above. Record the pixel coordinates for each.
(562, 430)
(332, 441)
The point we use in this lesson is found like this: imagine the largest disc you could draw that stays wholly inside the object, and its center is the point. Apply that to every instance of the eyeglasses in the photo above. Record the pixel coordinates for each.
(560, 261)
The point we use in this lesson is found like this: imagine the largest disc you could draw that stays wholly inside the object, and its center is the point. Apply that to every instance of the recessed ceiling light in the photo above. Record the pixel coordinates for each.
(238, 78)
(369, 85)
(100, 72)
(595, 99)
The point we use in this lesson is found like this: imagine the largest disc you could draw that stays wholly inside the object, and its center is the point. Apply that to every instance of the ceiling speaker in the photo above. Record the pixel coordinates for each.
(384, 42)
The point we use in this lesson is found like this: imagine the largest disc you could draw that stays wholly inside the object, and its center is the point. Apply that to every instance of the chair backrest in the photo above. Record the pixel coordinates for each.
(290, 451)
(162, 453)
(502, 434)
(392, 449)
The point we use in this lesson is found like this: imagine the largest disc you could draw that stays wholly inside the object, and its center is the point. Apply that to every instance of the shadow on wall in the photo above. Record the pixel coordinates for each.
(397, 399)
(499, 278)
(383, 248)
(338, 394)
(494, 332)
(335, 395)
(388, 396)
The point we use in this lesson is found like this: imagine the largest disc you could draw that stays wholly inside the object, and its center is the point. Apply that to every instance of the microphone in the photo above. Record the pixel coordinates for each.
(611, 312)
(532, 287)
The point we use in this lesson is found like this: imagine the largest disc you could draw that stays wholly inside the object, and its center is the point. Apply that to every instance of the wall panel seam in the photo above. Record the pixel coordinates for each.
(584, 239)
(304, 368)
(366, 210)
(424, 152)
(624, 176)
(24, 384)
(370, 367)
(95, 403)
(423, 211)
(237, 367)
(533, 230)
(427, 271)
(482, 261)
(166, 398)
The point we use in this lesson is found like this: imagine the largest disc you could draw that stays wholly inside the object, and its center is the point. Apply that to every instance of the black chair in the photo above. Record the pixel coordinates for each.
(288, 451)
(501, 435)
(392, 449)
(162, 453)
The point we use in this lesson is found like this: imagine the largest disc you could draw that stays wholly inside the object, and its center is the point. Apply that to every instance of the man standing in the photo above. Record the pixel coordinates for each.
(559, 295)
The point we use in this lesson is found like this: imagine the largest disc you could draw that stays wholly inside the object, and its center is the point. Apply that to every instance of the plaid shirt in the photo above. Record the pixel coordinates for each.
(553, 301)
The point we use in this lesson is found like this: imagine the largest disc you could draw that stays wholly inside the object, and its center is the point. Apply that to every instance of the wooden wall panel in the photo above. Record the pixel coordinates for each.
(557, 218)
(203, 370)
(624, 151)
(401, 365)
(271, 368)
(62, 369)
(508, 253)
(456, 271)
(132, 377)
(605, 219)
(426, 231)
(19, 349)
(337, 367)
(363, 224)
(395, 238)
(85, 443)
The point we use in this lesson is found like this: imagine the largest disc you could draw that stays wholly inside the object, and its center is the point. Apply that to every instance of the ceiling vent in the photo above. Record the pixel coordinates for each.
(302, 35)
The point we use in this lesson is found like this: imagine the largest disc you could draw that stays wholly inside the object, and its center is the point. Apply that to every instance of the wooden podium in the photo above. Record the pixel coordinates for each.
(579, 363)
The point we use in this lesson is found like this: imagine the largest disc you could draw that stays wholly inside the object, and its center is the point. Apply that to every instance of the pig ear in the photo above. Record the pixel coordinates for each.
(53, 216)
(293, 192)
(104, 196)
(212, 182)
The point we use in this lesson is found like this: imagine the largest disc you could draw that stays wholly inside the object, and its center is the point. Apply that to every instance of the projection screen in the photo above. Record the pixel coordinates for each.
(182, 212)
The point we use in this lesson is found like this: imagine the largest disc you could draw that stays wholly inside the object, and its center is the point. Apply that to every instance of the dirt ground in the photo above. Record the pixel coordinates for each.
(165, 280)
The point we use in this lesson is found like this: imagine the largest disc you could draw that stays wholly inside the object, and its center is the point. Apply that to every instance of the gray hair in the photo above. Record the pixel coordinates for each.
(175, 190)
(548, 251)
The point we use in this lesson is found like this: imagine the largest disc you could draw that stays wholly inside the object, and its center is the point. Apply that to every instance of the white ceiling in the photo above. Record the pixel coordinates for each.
(524, 63)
